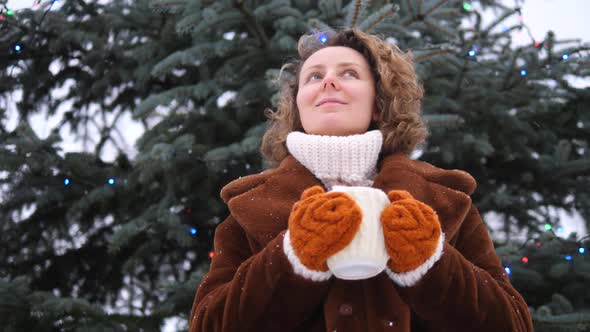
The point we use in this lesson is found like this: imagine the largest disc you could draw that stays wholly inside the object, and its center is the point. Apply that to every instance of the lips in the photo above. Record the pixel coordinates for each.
(330, 100)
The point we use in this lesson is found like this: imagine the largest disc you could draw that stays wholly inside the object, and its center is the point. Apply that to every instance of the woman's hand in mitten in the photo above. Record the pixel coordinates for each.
(321, 224)
(413, 236)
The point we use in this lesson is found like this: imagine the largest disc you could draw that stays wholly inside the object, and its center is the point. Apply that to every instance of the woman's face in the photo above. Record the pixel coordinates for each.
(336, 93)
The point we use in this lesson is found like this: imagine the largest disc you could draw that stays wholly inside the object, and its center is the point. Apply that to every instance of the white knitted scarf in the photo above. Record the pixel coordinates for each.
(338, 160)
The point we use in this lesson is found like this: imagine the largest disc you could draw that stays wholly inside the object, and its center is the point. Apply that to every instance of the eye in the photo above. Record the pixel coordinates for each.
(314, 77)
(350, 73)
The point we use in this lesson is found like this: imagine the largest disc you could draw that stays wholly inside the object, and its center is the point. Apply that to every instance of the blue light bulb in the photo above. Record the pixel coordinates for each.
(66, 182)
(472, 53)
(582, 250)
(565, 56)
(523, 72)
(193, 231)
(508, 270)
(323, 38)
(568, 258)
(111, 181)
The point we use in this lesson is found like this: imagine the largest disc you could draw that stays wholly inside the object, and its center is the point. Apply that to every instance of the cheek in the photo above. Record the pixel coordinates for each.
(304, 97)
(302, 106)
(304, 101)
(365, 96)
(298, 99)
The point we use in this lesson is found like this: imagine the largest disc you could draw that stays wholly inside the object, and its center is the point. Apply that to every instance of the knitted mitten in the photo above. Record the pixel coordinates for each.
(320, 225)
(413, 237)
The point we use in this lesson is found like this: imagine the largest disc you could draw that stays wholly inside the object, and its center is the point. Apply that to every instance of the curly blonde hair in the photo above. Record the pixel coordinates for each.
(398, 94)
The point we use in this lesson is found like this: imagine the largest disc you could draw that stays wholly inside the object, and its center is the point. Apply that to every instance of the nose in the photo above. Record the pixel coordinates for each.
(330, 82)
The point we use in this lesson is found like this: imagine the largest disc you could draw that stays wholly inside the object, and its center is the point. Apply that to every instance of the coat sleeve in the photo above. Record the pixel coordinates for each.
(468, 288)
(244, 291)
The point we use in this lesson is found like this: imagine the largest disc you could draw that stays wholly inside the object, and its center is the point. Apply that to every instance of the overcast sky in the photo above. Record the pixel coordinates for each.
(568, 18)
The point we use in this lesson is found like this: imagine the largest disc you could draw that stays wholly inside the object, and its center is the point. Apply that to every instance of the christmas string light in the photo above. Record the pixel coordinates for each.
(66, 182)
(193, 231)
(538, 244)
(521, 20)
(17, 47)
(539, 45)
(211, 254)
(525, 259)
(111, 181)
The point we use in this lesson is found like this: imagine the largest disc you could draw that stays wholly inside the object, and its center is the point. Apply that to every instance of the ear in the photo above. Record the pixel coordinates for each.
(396, 195)
(312, 191)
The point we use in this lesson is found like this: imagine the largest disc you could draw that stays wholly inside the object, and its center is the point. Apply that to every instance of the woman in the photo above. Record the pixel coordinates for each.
(349, 118)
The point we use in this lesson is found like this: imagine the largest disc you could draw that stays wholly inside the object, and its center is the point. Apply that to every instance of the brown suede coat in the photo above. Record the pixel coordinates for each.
(252, 287)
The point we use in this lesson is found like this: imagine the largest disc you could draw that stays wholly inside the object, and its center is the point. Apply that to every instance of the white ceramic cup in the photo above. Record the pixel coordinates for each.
(365, 256)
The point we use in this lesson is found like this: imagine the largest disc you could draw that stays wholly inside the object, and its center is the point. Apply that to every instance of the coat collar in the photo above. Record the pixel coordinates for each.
(261, 203)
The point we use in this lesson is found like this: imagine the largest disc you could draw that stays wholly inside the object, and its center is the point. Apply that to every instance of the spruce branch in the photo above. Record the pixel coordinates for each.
(439, 28)
(377, 17)
(106, 133)
(435, 7)
(253, 25)
(428, 55)
(357, 11)
(506, 81)
(318, 25)
(443, 120)
(499, 20)
(417, 17)
(410, 8)
(460, 77)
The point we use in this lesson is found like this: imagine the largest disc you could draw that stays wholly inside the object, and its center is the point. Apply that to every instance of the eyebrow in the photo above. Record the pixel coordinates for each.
(341, 64)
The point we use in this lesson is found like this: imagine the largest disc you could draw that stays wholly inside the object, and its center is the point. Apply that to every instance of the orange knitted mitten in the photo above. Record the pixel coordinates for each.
(321, 224)
(411, 230)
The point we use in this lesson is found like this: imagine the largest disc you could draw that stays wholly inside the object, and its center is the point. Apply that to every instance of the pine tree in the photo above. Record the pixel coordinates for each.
(92, 244)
